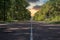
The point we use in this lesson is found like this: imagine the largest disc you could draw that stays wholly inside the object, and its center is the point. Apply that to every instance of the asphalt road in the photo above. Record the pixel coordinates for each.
(21, 31)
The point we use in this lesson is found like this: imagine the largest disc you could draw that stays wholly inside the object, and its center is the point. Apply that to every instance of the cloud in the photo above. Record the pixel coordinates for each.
(36, 7)
(35, 3)
(32, 1)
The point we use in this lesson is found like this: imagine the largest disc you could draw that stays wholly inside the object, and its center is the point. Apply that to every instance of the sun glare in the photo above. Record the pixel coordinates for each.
(33, 11)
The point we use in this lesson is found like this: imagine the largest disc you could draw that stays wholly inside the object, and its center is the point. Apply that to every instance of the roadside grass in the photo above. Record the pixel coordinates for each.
(14, 21)
(56, 22)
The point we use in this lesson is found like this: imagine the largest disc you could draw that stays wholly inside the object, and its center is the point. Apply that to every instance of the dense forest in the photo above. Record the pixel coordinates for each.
(50, 11)
(14, 10)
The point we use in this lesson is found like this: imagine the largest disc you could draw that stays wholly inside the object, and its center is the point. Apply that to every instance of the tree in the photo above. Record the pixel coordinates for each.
(4, 8)
(14, 10)
(21, 11)
(49, 11)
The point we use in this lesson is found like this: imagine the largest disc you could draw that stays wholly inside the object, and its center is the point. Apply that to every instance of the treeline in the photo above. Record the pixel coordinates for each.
(49, 11)
(14, 10)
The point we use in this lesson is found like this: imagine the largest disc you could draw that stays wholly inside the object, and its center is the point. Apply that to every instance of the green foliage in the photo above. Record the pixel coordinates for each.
(20, 10)
(49, 11)
(56, 22)
(14, 10)
(4, 8)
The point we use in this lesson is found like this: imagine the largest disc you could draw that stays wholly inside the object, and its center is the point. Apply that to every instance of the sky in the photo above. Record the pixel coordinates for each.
(35, 3)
